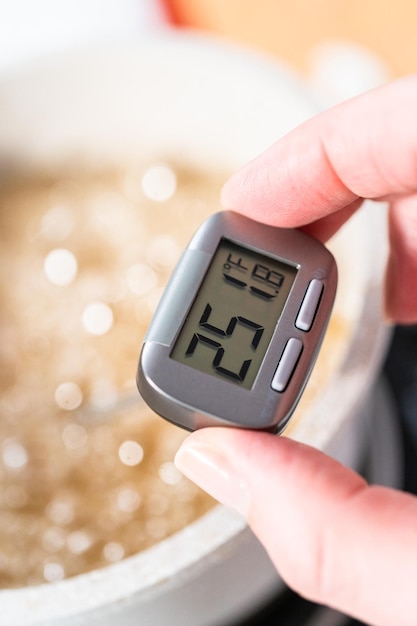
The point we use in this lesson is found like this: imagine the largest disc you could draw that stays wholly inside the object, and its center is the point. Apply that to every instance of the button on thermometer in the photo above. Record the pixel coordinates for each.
(239, 327)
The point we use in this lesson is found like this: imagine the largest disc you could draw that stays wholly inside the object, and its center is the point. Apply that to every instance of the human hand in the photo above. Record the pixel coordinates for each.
(333, 538)
(318, 175)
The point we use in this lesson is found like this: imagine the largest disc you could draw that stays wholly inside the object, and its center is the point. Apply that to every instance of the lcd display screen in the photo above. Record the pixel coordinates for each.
(233, 317)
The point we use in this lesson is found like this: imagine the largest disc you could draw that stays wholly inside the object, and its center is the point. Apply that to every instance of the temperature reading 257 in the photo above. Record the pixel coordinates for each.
(239, 327)
(231, 322)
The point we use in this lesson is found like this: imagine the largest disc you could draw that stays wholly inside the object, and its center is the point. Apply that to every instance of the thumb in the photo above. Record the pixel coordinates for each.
(332, 538)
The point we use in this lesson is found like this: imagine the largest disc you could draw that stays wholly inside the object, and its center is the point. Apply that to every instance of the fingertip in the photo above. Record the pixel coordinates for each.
(228, 193)
(205, 459)
(400, 297)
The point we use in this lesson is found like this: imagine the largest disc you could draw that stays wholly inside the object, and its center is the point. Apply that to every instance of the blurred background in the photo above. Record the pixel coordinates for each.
(291, 31)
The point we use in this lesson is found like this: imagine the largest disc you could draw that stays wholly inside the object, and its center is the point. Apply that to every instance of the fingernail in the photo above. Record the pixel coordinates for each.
(211, 471)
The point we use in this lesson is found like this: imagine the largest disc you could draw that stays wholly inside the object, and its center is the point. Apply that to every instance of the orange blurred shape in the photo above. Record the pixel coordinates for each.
(291, 29)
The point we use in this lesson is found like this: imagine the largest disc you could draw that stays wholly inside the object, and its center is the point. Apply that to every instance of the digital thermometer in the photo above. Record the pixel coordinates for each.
(239, 327)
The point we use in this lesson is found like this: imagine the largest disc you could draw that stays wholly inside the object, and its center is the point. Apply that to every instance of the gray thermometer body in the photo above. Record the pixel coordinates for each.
(239, 327)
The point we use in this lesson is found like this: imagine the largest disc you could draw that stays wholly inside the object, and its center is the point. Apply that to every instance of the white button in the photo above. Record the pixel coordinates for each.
(309, 306)
(287, 364)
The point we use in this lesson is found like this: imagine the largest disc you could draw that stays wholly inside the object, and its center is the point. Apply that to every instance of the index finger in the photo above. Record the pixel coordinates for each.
(363, 148)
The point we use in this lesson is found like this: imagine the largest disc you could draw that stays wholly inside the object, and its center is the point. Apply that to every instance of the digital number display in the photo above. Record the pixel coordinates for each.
(234, 315)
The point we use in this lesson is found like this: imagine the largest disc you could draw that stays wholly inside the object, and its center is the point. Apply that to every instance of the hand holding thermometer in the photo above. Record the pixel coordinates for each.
(239, 327)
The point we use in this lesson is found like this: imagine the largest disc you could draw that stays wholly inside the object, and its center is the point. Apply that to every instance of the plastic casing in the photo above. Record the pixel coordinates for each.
(193, 399)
